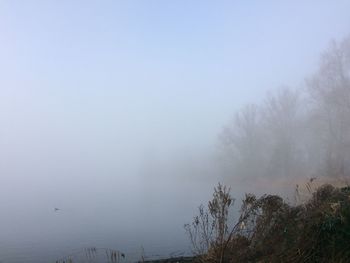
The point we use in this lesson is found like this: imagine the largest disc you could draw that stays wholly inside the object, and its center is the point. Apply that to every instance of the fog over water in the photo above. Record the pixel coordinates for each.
(111, 112)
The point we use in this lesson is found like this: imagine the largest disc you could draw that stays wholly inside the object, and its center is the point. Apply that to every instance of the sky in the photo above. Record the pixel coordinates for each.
(110, 110)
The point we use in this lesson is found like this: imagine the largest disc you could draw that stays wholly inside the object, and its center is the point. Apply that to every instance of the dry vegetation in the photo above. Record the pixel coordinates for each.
(271, 230)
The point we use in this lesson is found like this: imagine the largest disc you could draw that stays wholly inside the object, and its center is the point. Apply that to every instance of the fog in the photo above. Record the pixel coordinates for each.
(114, 113)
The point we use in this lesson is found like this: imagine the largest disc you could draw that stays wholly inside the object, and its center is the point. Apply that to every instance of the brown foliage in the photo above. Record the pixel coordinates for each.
(270, 230)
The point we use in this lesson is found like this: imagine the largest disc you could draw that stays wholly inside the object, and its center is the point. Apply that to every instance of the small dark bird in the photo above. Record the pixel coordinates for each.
(312, 179)
(56, 209)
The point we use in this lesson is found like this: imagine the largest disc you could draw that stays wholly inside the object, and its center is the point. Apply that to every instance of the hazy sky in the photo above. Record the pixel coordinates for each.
(111, 109)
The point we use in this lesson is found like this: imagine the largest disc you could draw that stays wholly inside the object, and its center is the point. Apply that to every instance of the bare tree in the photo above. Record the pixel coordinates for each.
(266, 140)
(282, 120)
(330, 90)
(243, 141)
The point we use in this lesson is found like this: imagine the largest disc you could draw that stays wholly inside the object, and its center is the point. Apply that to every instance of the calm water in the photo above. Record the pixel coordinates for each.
(34, 252)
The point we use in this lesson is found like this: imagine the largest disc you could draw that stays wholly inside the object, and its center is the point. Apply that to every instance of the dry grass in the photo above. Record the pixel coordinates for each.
(317, 229)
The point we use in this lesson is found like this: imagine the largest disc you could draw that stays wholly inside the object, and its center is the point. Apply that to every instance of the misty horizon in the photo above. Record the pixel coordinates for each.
(114, 112)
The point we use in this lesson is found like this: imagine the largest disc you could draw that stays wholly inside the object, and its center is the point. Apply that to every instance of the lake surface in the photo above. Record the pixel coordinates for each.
(37, 252)
(31, 231)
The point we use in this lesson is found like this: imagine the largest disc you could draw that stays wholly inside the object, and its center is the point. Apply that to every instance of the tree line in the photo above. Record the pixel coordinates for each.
(296, 131)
